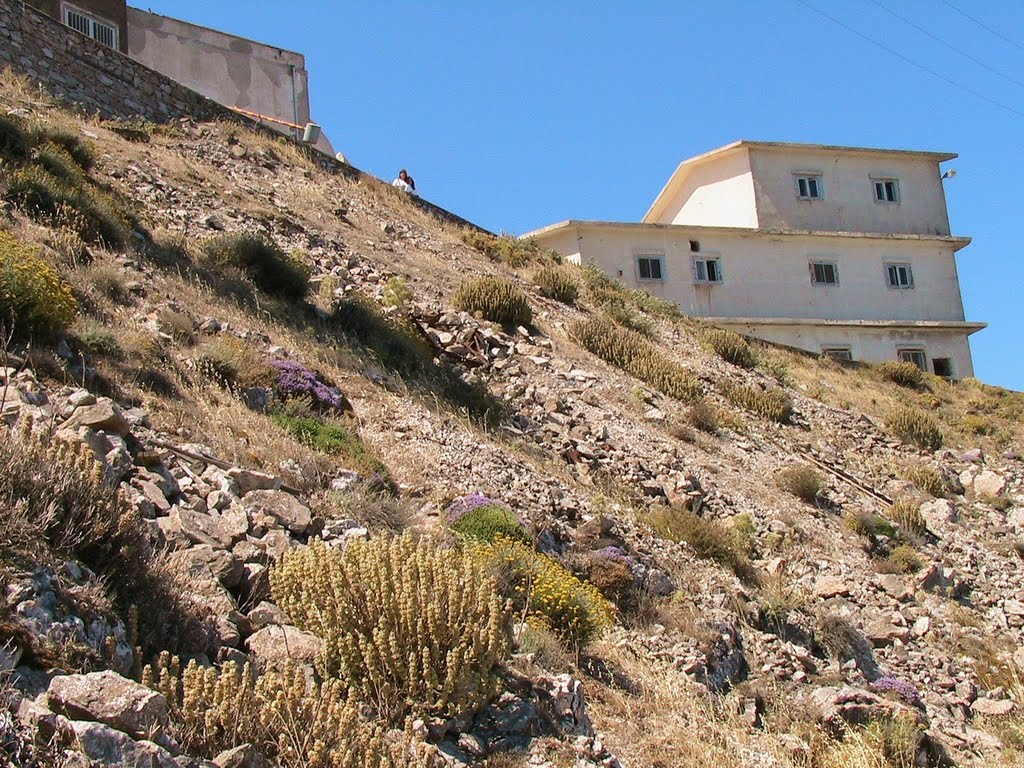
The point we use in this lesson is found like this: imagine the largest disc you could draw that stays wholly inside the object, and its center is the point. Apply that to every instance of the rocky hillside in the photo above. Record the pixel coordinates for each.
(295, 472)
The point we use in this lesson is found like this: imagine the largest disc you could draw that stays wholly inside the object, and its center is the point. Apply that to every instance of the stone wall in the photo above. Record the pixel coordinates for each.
(114, 11)
(97, 79)
(80, 71)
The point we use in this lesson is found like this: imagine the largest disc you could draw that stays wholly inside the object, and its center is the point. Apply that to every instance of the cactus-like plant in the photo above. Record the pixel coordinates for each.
(729, 346)
(636, 355)
(912, 425)
(495, 299)
(557, 283)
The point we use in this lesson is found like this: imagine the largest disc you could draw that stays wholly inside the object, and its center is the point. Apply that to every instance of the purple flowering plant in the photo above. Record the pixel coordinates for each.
(903, 689)
(296, 380)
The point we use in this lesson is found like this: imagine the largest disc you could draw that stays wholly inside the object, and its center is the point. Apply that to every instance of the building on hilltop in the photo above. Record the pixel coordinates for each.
(230, 70)
(841, 251)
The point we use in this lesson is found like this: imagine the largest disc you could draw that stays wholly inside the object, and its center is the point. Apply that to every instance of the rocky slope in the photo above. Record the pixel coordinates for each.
(829, 617)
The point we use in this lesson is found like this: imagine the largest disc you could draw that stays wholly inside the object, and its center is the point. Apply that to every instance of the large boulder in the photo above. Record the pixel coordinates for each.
(104, 415)
(219, 530)
(106, 746)
(284, 508)
(988, 483)
(106, 697)
(278, 644)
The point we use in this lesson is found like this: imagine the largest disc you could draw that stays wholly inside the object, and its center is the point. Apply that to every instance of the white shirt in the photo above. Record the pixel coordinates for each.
(401, 185)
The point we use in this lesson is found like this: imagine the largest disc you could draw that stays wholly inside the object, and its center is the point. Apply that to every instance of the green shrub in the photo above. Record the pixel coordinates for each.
(507, 248)
(915, 426)
(772, 404)
(557, 283)
(776, 367)
(33, 298)
(78, 148)
(977, 425)
(397, 292)
(906, 513)
(702, 415)
(94, 215)
(108, 281)
(98, 340)
(729, 346)
(902, 559)
(407, 626)
(271, 270)
(13, 138)
(904, 374)
(802, 481)
(868, 524)
(546, 592)
(626, 316)
(56, 161)
(635, 355)
(394, 340)
(611, 296)
(709, 539)
(232, 363)
(487, 522)
(495, 299)
(331, 438)
(927, 479)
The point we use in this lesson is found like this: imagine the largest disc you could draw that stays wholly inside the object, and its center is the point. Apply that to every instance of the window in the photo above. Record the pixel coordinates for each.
(707, 270)
(838, 353)
(886, 190)
(808, 186)
(899, 276)
(649, 268)
(100, 31)
(942, 366)
(824, 273)
(695, 246)
(915, 356)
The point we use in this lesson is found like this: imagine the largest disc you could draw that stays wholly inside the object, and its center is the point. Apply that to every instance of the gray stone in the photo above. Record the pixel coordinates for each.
(278, 644)
(106, 697)
(103, 415)
(107, 746)
(988, 483)
(244, 756)
(217, 530)
(288, 511)
(993, 707)
(251, 480)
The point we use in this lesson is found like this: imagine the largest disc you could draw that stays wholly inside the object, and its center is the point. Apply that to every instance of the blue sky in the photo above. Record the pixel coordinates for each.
(519, 114)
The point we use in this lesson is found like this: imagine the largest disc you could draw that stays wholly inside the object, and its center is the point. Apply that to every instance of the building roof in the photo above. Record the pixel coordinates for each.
(684, 229)
(684, 168)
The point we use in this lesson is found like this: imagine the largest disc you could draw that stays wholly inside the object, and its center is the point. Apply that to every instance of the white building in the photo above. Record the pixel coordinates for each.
(842, 251)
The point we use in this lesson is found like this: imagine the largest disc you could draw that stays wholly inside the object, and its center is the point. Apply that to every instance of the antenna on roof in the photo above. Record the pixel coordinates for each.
(950, 174)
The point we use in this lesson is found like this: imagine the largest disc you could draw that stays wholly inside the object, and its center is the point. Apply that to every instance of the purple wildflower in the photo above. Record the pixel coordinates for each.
(463, 505)
(296, 380)
(615, 553)
(906, 691)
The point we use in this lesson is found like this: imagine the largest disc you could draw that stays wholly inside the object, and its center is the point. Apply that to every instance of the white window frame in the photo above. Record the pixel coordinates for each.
(699, 265)
(103, 31)
(883, 183)
(894, 267)
(841, 352)
(808, 177)
(910, 354)
(815, 262)
(658, 258)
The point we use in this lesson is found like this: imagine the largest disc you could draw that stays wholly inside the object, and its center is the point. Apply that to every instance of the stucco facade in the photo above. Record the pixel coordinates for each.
(230, 70)
(730, 239)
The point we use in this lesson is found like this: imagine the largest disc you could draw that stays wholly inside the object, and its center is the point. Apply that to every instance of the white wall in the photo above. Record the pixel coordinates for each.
(230, 70)
(767, 276)
(719, 193)
(872, 345)
(849, 203)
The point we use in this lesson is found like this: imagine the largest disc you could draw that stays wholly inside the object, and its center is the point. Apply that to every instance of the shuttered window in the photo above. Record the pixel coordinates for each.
(102, 32)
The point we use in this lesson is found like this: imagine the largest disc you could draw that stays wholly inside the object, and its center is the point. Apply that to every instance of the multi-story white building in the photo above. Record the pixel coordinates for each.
(842, 251)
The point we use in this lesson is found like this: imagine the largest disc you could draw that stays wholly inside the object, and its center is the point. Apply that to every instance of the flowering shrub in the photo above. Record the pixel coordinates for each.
(548, 594)
(295, 380)
(32, 295)
(409, 627)
(904, 690)
(482, 518)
